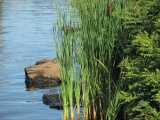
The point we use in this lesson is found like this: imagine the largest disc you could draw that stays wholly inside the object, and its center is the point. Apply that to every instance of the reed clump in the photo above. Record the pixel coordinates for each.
(88, 59)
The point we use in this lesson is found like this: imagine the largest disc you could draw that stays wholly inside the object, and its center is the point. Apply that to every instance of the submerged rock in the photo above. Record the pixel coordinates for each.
(45, 73)
(54, 100)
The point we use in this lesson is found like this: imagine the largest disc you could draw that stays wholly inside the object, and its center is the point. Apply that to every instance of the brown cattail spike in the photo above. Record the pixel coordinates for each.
(108, 11)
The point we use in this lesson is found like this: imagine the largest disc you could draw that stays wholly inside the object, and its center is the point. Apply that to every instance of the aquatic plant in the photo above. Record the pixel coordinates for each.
(89, 50)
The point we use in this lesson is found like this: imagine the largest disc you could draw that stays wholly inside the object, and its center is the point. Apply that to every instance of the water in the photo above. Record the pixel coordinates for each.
(25, 37)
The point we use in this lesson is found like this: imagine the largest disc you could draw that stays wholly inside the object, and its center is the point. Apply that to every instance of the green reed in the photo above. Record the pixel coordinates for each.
(89, 52)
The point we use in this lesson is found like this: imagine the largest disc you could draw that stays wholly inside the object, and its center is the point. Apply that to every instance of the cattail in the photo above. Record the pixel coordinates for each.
(110, 8)
(108, 11)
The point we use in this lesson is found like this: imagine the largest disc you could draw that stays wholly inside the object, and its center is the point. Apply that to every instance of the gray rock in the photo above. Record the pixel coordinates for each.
(54, 100)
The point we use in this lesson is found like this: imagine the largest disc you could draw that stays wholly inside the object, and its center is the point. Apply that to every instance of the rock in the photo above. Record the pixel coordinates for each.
(45, 73)
(54, 100)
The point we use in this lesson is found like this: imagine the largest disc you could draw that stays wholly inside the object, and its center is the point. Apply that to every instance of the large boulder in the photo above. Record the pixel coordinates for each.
(45, 73)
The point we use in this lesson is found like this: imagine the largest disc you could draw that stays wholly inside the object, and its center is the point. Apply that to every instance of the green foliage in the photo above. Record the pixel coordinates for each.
(139, 15)
(106, 32)
(141, 67)
(145, 111)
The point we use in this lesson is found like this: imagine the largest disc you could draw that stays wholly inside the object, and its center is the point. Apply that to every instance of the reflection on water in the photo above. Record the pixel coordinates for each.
(25, 37)
(3, 82)
(0, 10)
(1, 32)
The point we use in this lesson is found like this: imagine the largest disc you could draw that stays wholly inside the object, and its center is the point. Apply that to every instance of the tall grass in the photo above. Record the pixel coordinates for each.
(89, 52)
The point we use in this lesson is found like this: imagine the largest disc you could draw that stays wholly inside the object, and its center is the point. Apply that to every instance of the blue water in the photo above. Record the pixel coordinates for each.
(25, 37)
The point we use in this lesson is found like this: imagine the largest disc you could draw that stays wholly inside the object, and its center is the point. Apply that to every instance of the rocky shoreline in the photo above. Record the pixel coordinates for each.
(44, 74)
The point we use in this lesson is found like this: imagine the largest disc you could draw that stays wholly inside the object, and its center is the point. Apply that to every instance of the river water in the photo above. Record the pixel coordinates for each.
(25, 37)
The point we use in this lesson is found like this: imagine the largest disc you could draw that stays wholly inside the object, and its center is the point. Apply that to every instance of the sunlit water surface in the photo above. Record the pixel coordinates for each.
(25, 37)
